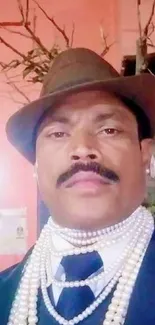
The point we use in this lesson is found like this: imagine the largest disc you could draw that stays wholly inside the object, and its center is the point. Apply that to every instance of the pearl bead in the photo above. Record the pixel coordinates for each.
(107, 322)
(23, 310)
(120, 311)
(117, 322)
(32, 319)
(117, 294)
(33, 299)
(21, 317)
(109, 315)
(118, 318)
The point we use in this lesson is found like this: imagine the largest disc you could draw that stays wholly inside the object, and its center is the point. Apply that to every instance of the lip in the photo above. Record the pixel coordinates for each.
(87, 180)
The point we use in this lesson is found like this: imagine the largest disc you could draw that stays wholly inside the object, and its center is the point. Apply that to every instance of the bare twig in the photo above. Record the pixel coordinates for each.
(26, 59)
(106, 47)
(34, 23)
(12, 48)
(28, 28)
(151, 45)
(54, 23)
(72, 35)
(37, 40)
(27, 11)
(151, 72)
(139, 18)
(13, 99)
(149, 42)
(150, 19)
(12, 23)
(34, 64)
(16, 88)
(20, 7)
(12, 31)
(152, 29)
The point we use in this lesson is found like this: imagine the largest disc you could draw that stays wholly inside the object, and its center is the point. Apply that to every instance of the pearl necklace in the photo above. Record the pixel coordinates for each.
(87, 238)
(112, 235)
(24, 307)
(126, 252)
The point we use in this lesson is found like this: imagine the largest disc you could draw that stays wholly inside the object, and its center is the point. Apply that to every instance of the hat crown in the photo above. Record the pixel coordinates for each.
(75, 66)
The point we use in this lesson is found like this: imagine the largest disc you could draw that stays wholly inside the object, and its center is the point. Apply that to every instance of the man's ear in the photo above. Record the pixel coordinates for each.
(147, 151)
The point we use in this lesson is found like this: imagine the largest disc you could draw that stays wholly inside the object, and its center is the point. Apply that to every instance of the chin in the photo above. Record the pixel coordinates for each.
(87, 220)
(85, 214)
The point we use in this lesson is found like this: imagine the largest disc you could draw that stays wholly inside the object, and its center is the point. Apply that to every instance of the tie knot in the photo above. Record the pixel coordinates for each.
(80, 267)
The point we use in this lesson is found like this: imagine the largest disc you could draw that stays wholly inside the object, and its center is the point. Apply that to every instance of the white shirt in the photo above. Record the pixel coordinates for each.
(108, 255)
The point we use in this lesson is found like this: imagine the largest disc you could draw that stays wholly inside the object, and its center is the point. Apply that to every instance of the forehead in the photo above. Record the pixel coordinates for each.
(88, 104)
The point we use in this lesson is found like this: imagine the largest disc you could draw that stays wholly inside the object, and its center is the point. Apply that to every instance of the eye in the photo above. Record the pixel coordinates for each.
(109, 131)
(58, 135)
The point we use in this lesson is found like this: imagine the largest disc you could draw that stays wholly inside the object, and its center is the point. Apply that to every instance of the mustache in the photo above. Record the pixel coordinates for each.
(89, 167)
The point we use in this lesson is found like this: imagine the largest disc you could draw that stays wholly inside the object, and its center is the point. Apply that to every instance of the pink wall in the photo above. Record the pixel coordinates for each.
(118, 18)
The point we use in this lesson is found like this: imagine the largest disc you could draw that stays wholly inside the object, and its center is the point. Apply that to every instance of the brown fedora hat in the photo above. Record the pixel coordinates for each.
(74, 70)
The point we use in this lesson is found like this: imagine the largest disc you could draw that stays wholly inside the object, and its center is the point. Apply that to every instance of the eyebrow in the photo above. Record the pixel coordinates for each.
(97, 119)
(107, 116)
(60, 119)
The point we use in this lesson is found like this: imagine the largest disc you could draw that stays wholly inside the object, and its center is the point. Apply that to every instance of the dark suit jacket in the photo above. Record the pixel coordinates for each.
(141, 309)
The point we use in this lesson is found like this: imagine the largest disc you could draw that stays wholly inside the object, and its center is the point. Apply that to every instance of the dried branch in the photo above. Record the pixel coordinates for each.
(150, 19)
(20, 7)
(106, 47)
(16, 88)
(151, 72)
(28, 28)
(12, 48)
(27, 11)
(12, 31)
(35, 63)
(144, 40)
(152, 29)
(72, 35)
(149, 42)
(34, 24)
(37, 40)
(12, 23)
(139, 18)
(13, 99)
(62, 32)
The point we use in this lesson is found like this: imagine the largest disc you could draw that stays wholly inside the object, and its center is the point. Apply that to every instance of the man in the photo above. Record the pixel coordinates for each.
(90, 138)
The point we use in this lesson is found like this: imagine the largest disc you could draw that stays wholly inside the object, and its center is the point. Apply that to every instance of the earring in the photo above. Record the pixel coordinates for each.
(152, 167)
(35, 175)
(147, 171)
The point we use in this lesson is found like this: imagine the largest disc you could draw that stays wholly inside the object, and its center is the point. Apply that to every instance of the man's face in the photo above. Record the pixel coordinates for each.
(91, 167)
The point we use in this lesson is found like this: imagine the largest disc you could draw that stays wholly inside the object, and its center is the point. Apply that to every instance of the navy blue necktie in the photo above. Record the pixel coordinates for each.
(73, 301)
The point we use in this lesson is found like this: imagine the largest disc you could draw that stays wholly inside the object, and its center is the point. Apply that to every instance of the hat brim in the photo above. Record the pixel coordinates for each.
(20, 127)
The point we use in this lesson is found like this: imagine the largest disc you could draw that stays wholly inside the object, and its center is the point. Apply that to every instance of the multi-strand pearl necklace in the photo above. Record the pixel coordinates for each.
(24, 307)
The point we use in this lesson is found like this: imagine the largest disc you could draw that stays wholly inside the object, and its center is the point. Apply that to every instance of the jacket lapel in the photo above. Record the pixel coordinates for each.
(9, 280)
(142, 303)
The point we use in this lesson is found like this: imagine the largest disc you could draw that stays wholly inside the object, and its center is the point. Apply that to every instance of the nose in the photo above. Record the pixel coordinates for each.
(84, 148)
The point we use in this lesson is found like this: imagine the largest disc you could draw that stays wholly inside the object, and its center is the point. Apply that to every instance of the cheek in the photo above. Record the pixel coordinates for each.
(125, 158)
(132, 172)
(51, 163)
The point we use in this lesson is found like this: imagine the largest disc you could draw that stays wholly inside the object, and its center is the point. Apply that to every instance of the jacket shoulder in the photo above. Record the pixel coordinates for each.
(13, 271)
(7, 273)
